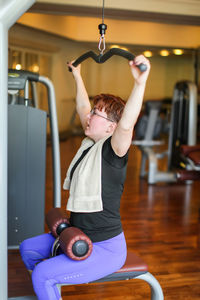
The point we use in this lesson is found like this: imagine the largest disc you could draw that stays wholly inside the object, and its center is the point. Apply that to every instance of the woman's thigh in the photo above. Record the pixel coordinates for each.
(106, 257)
(34, 250)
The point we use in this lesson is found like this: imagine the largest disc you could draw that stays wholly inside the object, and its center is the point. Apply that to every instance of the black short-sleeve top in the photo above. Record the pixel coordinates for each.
(105, 224)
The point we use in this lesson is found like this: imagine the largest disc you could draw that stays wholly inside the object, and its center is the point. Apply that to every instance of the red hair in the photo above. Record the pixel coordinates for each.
(113, 105)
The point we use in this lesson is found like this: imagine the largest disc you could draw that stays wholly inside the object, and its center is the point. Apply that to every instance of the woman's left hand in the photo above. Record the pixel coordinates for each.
(140, 77)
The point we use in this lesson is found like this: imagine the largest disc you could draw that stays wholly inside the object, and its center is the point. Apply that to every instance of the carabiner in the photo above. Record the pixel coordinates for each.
(102, 44)
(102, 30)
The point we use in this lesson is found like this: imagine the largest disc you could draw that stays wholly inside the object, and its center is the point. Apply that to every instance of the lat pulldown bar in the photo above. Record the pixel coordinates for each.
(101, 58)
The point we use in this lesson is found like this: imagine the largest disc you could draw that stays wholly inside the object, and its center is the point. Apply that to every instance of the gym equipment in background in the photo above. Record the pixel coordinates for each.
(191, 156)
(27, 155)
(182, 131)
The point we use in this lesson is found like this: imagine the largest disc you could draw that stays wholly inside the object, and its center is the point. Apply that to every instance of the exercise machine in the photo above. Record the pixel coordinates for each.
(182, 130)
(27, 155)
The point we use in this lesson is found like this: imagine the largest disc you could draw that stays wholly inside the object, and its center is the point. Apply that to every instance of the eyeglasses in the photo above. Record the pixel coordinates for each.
(93, 112)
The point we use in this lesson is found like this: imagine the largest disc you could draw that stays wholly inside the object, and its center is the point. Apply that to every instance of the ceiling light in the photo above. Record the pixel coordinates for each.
(178, 51)
(148, 53)
(35, 68)
(164, 52)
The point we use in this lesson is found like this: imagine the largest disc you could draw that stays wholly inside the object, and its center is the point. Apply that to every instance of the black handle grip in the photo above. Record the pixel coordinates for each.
(101, 58)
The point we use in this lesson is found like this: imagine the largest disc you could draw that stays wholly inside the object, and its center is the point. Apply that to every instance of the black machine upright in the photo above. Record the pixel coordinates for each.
(27, 156)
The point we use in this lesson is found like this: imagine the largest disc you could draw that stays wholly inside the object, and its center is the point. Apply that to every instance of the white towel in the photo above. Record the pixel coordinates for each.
(85, 186)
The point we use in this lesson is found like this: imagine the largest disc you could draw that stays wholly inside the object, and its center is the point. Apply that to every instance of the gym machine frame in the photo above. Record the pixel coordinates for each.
(15, 83)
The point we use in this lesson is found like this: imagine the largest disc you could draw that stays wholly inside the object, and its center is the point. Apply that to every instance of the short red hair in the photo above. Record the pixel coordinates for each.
(113, 105)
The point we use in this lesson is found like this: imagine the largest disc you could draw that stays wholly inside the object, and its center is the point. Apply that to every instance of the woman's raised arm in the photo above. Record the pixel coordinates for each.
(83, 106)
(122, 136)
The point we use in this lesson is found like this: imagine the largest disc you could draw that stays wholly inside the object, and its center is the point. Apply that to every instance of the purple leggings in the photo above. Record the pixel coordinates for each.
(107, 257)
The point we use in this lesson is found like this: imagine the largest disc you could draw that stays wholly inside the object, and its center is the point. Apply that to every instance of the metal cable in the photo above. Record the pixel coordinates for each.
(103, 12)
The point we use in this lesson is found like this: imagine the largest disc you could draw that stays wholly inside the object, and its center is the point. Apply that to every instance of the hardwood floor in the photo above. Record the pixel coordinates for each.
(161, 223)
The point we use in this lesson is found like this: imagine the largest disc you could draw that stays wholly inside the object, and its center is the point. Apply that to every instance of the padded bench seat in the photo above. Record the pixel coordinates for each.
(192, 152)
(195, 157)
(186, 149)
(192, 155)
(134, 266)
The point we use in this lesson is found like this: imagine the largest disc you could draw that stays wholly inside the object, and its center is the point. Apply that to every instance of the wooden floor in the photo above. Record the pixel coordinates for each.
(161, 224)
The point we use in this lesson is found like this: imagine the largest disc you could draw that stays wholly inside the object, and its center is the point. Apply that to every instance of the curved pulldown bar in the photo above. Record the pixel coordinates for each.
(101, 58)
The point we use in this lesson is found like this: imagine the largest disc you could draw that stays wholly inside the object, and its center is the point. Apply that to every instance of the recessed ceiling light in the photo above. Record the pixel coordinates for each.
(178, 51)
(148, 53)
(164, 52)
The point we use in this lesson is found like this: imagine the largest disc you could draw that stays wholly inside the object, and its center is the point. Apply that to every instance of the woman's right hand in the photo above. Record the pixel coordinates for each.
(140, 77)
(76, 71)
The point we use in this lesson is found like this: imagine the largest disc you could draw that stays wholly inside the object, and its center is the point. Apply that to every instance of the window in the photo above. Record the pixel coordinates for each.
(38, 62)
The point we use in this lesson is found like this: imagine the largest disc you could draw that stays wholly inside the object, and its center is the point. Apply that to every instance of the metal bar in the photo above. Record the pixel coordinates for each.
(193, 112)
(26, 93)
(34, 94)
(151, 124)
(10, 11)
(3, 162)
(156, 290)
(55, 141)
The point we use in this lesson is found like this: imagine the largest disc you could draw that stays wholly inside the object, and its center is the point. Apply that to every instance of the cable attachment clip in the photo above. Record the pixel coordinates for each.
(102, 30)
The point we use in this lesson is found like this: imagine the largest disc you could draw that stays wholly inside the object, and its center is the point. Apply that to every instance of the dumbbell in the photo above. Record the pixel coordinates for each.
(73, 242)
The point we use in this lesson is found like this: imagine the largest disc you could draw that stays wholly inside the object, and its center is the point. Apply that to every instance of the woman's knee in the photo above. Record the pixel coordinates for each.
(25, 254)
(24, 246)
(44, 283)
(32, 252)
(38, 274)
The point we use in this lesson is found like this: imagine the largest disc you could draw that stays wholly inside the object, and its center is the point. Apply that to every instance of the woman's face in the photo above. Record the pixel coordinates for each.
(98, 124)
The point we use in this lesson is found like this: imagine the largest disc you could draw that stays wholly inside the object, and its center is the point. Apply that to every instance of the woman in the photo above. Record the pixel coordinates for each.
(95, 179)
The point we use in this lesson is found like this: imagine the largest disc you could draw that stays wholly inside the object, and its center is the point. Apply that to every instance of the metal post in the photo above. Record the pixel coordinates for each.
(10, 11)
(3, 162)
(156, 290)
(196, 66)
(193, 114)
(55, 141)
